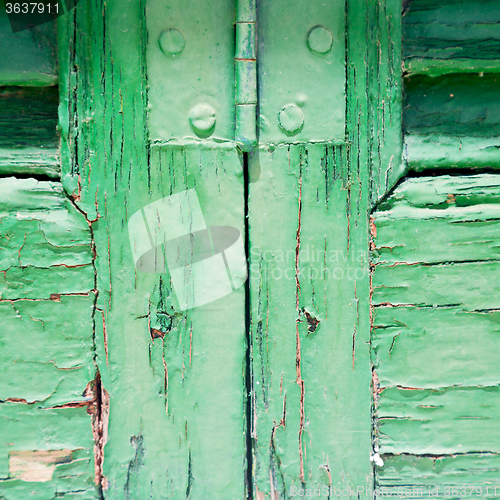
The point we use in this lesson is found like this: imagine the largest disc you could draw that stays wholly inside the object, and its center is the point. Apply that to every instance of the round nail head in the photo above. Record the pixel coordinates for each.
(320, 40)
(290, 119)
(171, 42)
(202, 120)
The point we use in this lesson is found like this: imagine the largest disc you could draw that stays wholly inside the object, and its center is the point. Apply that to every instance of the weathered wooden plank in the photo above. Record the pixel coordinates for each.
(45, 243)
(309, 359)
(28, 427)
(442, 37)
(32, 161)
(175, 377)
(431, 151)
(28, 117)
(196, 357)
(437, 220)
(462, 105)
(435, 347)
(40, 283)
(406, 474)
(437, 422)
(40, 227)
(55, 366)
(28, 57)
(438, 285)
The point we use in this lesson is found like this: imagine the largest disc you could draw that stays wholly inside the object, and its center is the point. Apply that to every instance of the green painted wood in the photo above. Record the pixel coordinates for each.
(32, 161)
(309, 322)
(28, 117)
(458, 105)
(438, 285)
(438, 220)
(181, 436)
(433, 246)
(27, 426)
(40, 227)
(446, 37)
(56, 364)
(435, 347)
(28, 57)
(431, 151)
(406, 474)
(436, 422)
(378, 43)
(47, 341)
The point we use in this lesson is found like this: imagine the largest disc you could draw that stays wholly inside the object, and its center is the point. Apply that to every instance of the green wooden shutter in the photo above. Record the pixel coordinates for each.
(48, 394)
(435, 257)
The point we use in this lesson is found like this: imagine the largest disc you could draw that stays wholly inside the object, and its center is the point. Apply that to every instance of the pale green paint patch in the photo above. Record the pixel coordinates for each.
(28, 427)
(444, 421)
(435, 347)
(439, 220)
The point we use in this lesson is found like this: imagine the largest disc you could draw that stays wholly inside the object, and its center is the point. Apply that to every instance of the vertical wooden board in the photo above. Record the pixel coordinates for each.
(197, 356)
(197, 448)
(308, 272)
(194, 446)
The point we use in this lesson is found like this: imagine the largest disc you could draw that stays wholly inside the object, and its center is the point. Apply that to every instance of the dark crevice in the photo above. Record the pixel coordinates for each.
(248, 350)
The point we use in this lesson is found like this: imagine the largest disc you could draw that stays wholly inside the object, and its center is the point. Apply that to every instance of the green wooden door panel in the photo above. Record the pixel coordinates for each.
(175, 378)
(308, 271)
(266, 391)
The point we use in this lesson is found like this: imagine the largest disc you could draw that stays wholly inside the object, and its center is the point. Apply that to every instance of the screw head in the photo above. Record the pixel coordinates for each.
(290, 119)
(320, 40)
(171, 42)
(202, 120)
